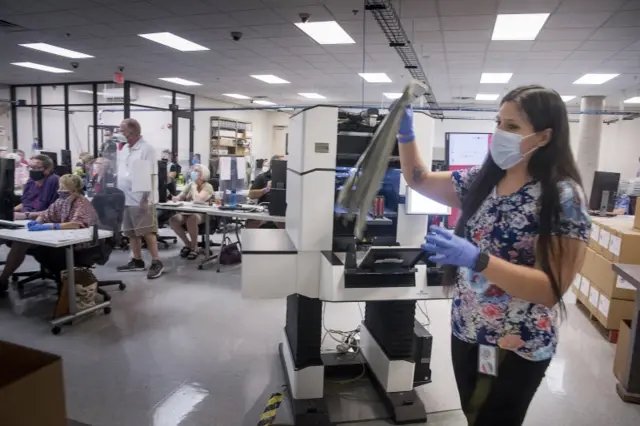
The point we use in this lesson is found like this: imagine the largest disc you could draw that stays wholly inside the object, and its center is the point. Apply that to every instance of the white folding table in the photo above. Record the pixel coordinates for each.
(67, 238)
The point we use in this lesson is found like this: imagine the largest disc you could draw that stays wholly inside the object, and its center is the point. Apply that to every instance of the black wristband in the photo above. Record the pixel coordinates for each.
(481, 262)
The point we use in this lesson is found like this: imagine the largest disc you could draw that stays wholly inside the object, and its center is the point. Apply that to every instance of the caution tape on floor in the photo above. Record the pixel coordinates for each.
(268, 415)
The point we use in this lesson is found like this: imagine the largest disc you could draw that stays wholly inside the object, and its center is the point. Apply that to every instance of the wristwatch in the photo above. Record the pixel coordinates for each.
(481, 262)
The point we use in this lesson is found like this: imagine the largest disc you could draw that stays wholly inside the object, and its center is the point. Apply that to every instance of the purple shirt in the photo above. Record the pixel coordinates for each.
(38, 198)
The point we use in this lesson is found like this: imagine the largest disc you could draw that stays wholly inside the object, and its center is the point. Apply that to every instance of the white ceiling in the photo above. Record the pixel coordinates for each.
(452, 37)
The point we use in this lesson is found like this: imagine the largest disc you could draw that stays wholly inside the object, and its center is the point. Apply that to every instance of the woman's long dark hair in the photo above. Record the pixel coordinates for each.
(548, 165)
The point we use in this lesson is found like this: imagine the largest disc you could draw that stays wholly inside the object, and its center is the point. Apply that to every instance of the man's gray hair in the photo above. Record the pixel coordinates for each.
(46, 161)
(133, 125)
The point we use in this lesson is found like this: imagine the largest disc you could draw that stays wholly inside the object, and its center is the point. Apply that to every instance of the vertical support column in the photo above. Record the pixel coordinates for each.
(95, 119)
(39, 115)
(192, 127)
(66, 118)
(590, 129)
(14, 117)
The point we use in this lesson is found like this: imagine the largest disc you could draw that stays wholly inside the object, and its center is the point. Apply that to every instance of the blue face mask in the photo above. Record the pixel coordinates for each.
(505, 149)
(194, 176)
(63, 195)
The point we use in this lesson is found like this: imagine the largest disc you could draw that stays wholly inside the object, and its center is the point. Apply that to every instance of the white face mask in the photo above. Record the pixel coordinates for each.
(505, 148)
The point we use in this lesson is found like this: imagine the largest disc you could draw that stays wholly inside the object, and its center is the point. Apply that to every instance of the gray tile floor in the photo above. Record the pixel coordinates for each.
(187, 350)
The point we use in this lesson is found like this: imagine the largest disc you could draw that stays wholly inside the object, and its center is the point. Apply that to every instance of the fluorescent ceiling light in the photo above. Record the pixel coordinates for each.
(486, 97)
(328, 32)
(89, 92)
(181, 81)
(521, 26)
(567, 98)
(271, 79)
(634, 100)
(312, 95)
(171, 97)
(236, 96)
(172, 40)
(495, 77)
(49, 48)
(40, 67)
(375, 77)
(595, 78)
(392, 96)
(263, 102)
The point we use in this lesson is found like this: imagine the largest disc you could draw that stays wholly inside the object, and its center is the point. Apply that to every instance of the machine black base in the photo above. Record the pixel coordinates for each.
(403, 407)
(305, 412)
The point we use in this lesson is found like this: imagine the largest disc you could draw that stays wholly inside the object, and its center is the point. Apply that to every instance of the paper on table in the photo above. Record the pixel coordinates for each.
(141, 176)
(225, 168)
(241, 167)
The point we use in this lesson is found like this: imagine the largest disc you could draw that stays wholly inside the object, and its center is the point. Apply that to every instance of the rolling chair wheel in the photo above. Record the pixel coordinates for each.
(107, 310)
(121, 287)
(56, 330)
(14, 279)
(200, 267)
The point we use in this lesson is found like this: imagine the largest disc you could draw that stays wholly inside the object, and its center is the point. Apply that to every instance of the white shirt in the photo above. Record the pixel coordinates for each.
(132, 167)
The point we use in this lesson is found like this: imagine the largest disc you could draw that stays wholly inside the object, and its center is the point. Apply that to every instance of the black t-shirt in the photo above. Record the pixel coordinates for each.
(261, 182)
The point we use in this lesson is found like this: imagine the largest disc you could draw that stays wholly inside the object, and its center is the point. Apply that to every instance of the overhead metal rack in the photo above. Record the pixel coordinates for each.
(389, 22)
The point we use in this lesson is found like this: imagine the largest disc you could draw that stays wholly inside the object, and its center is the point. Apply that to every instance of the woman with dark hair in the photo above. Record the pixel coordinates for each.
(516, 248)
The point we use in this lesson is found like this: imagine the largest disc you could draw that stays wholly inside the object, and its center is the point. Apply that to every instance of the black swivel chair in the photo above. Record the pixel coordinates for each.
(109, 205)
(214, 222)
(164, 216)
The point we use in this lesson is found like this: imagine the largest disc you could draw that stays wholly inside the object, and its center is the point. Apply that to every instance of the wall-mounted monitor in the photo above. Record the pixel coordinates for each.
(419, 204)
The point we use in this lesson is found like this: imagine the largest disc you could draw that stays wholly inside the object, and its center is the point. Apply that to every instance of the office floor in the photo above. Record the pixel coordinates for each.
(187, 350)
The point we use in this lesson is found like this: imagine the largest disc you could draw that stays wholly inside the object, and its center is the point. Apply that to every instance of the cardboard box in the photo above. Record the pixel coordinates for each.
(583, 294)
(622, 349)
(636, 221)
(617, 240)
(31, 387)
(594, 297)
(595, 234)
(610, 312)
(600, 271)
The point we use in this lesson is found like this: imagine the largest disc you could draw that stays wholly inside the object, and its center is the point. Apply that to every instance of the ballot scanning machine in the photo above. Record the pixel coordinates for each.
(316, 259)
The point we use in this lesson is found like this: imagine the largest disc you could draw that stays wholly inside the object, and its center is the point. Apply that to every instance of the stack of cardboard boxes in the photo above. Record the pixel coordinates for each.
(609, 297)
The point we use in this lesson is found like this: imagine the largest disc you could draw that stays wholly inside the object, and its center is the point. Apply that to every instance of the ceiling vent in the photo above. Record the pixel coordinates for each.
(463, 98)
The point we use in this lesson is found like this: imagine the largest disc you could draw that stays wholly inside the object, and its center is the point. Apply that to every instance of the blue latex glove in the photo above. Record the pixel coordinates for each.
(406, 133)
(42, 227)
(450, 249)
(32, 223)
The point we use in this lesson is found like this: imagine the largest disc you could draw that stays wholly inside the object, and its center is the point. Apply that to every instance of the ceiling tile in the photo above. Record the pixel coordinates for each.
(277, 30)
(426, 37)
(519, 6)
(145, 10)
(466, 36)
(213, 20)
(61, 19)
(573, 34)
(307, 50)
(631, 5)
(236, 5)
(581, 6)
(556, 45)
(256, 17)
(591, 54)
(579, 67)
(420, 24)
(464, 23)
(577, 20)
(416, 8)
(548, 55)
(620, 33)
(506, 46)
(627, 18)
(467, 7)
(465, 47)
(605, 45)
(292, 14)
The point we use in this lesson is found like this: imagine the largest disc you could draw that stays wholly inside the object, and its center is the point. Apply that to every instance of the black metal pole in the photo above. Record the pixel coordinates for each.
(174, 126)
(127, 100)
(95, 119)
(66, 117)
(14, 117)
(191, 126)
(39, 115)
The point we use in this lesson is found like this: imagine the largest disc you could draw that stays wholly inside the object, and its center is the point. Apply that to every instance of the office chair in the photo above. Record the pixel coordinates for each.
(109, 205)
(163, 220)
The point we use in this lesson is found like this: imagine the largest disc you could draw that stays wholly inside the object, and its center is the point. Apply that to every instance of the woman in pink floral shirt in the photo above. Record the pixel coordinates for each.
(70, 211)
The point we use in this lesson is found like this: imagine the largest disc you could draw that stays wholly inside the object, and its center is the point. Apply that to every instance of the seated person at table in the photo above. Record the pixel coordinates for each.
(40, 191)
(260, 191)
(199, 189)
(70, 211)
(102, 175)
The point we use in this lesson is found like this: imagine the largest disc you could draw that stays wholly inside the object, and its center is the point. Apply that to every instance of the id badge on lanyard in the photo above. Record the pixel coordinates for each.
(488, 360)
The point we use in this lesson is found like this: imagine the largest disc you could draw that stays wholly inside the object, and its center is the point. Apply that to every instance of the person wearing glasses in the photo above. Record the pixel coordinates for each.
(40, 191)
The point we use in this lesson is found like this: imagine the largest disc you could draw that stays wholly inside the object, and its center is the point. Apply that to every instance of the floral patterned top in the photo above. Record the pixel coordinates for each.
(507, 226)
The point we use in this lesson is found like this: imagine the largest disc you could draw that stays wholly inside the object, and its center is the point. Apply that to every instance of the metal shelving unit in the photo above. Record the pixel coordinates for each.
(228, 137)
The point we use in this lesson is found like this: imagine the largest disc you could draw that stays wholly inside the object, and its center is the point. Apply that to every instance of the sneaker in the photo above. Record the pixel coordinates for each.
(133, 265)
(155, 270)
